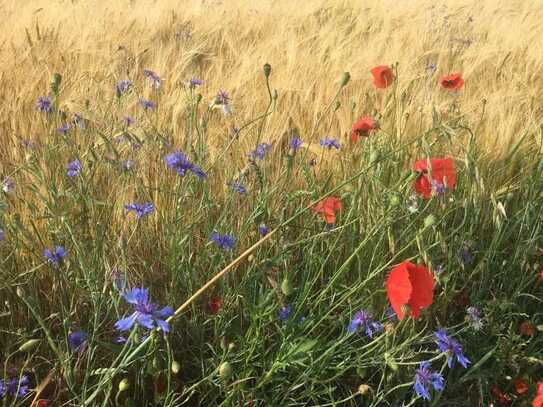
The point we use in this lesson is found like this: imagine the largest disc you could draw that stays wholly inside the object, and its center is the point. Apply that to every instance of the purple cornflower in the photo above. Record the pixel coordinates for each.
(79, 121)
(263, 229)
(330, 143)
(452, 347)
(194, 82)
(238, 187)
(73, 168)
(8, 185)
(284, 313)
(127, 165)
(260, 151)
(147, 104)
(44, 104)
(475, 317)
(363, 319)
(225, 242)
(438, 188)
(123, 86)
(55, 257)
(77, 341)
(425, 379)
(15, 387)
(295, 143)
(140, 209)
(146, 314)
(181, 164)
(64, 129)
(28, 144)
(128, 121)
(222, 98)
(153, 78)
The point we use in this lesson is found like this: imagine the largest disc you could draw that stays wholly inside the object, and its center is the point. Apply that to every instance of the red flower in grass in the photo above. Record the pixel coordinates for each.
(382, 76)
(438, 177)
(362, 127)
(527, 328)
(502, 398)
(215, 305)
(541, 276)
(327, 208)
(538, 401)
(453, 81)
(412, 285)
(520, 386)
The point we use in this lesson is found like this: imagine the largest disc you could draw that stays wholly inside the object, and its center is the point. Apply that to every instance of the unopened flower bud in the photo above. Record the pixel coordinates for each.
(275, 95)
(345, 78)
(123, 385)
(225, 370)
(267, 70)
(30, 344)
(176, 367)
(286, 287)
(363, 389)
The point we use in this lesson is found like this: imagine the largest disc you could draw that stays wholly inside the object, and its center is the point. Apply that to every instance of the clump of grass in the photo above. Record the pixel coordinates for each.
(264, 254)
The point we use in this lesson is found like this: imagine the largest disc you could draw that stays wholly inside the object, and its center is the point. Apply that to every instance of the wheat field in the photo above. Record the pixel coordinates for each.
(261, 319)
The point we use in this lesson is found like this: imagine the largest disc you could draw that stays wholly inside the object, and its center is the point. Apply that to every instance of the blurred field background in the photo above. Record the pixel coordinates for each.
(492, 128)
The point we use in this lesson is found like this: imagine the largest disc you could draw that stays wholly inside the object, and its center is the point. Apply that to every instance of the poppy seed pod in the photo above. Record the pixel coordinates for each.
(123, 385)
(225, 370)
(345, 78)
(267, 70)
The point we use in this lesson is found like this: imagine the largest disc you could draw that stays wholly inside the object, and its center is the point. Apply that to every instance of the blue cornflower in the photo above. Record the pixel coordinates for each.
(56, 256)
(15, 387)
(475, 317)
(295, 143)
(64, 129)
(128, 121)
(153, 78)
(238, 187)
(222, 98)
(45, 104)
(77, 341)
(263, 229)
(194, 82)
(147, 104)
(452, 347)
(146, 314)
(123, 86)
(225, 242)
(284, 313)
(425, 379)
(329, 143)
(8, 185)
(438, 188)
(181, 164)
(73, 168)
(363, 319)
(140, 209)
(260, 151)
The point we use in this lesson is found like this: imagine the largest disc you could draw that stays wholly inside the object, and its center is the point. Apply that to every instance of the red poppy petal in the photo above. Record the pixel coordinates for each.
(422, 296)
(423, 186)
(399, 288)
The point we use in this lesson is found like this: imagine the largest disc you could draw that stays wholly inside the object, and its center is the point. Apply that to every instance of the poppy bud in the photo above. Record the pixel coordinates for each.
(429, 221)
(374, 156)
(337, 105)
(28, 345)
(176, 367)
(251, 258)
(363, 389)
(345, 77)
(267, 70)
(286, 286)
(275, 95)
(20, 292)
(225, 370)
(123, 385)
(198, 98)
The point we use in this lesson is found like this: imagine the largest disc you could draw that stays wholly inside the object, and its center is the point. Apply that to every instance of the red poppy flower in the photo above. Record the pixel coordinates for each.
(42, 403)
(327, 208)
(412, 285)
(215, 305)
(538, 401)
(527, 328)
(382, 76)
(442, 177)
(541, 276)
(520, 386)
(453, 81)
(362, 127)
(502, 398)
